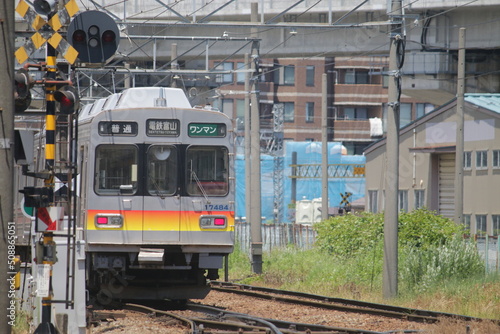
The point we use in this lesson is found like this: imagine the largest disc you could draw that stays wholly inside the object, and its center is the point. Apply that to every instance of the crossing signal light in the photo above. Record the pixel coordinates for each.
(68, 99)
(94, 35)
(23, 83)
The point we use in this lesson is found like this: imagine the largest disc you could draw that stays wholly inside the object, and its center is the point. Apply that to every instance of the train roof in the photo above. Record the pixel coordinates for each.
(143, 97)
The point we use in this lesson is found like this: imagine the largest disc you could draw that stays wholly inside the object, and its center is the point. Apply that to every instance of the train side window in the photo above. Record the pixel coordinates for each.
(207, 171)
(115, 169)
(162, 170)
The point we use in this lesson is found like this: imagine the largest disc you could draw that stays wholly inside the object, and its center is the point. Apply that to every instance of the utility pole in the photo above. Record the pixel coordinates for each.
(7, 244)
(256, 212)
(390, 270)
(459, 150)
(324, 148)
(248, 166)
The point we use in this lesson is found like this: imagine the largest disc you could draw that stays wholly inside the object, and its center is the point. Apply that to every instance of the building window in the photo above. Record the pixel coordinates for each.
(496, 158)
(373, 200)
(467, 160)
(385, 77)
(227, 107)
(355, 113)
(424, 108)
(289, 75)
(224, 78)
(310, 76)
(289, 112)
(466, 220)
(240, 114)
(404, 114)
(481, 225)
(353, 77)
(403, 200)
(419, 199)
(481, 159)
(240, 76)
(496, 224)
(309, 112)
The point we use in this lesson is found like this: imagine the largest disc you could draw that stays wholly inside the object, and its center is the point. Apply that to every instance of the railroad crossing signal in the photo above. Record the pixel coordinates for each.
(23, 83)
(345, 202)
(68, 99)
(47, 31)
(94, 35)
(345, 198)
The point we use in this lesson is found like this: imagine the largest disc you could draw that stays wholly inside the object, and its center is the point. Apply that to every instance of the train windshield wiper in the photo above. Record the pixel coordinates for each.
(157, 187)
(195, 177)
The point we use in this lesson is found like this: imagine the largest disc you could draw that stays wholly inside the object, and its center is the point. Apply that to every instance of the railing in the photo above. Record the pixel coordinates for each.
(277, 235)
(489, 249)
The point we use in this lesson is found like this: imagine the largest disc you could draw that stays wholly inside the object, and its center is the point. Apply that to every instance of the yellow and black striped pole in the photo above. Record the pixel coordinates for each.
(46, 325)
(50, 118)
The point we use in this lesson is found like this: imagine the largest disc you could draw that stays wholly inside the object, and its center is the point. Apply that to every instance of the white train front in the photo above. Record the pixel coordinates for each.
(155, 200)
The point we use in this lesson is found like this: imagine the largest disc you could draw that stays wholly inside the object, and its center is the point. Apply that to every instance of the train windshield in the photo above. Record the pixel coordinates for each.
(162, 170)
(207, 170)
(116, 169)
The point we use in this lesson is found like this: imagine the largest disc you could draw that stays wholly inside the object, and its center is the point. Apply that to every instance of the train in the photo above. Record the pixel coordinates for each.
(152, 200)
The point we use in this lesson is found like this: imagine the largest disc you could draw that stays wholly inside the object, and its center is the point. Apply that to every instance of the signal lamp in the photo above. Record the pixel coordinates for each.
(23, 83)
(108, 36)
(68, 99)
(79, 36)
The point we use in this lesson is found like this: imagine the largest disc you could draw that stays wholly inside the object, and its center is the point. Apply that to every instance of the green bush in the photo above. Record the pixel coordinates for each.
(423, 228)
(351, 234)
(431, 249)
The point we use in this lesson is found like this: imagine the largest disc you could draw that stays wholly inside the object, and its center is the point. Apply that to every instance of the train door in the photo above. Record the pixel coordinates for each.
(161, 203)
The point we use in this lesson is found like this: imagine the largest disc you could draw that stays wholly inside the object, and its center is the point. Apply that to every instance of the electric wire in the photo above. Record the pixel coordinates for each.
(288, 38)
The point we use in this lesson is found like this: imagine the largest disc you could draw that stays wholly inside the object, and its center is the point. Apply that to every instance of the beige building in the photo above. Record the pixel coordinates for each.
(427, 153)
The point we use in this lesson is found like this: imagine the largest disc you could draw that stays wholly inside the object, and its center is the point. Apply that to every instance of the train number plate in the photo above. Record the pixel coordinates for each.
(216, 207)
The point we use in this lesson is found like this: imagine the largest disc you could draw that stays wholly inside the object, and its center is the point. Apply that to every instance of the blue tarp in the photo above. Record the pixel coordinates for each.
(307, 153)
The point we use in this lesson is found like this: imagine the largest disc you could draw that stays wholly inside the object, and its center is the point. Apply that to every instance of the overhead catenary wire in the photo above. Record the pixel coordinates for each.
(267, 28)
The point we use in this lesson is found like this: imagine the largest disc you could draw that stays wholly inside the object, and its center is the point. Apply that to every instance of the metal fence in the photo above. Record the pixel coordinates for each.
(304, 236)
(277, 235)
(489, 248)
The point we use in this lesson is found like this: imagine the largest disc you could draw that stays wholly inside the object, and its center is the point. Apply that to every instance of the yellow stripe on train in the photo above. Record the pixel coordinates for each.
(152, 220)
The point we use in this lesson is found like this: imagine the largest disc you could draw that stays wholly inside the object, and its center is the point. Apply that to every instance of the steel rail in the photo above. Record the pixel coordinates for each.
(341, 304)
(156, 312)
(277, 326)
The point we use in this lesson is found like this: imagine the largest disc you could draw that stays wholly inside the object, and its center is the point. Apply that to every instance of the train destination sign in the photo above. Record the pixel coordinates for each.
(163, 127)
(117, 128)
(206, 130)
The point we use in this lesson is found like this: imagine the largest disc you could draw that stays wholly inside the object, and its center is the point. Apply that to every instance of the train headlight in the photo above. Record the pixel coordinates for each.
(108, 220)
(213, 222)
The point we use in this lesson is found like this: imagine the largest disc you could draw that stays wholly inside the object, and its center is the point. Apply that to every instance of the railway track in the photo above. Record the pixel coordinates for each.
(215, 320)
(263, 310)
(339, 304)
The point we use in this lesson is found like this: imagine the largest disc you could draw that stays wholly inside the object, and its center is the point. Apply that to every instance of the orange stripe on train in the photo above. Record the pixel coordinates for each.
(159, 220)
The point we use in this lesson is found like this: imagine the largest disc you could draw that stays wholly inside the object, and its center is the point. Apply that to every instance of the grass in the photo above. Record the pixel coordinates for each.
(360, 277)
